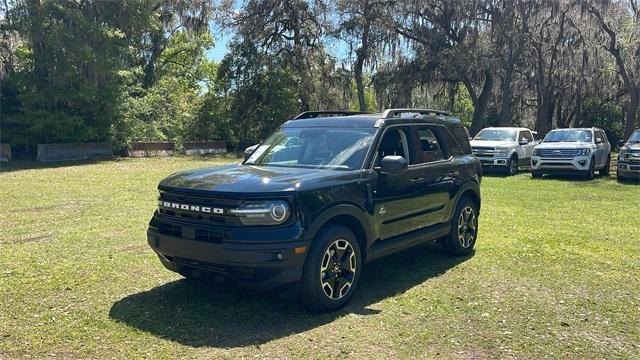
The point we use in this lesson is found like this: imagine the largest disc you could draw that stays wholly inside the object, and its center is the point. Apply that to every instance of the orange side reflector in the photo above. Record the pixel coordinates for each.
(299, 250)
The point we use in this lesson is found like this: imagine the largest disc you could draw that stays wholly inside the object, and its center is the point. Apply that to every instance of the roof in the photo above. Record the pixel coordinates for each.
(573, 129)
(507, 128)
(373, 120)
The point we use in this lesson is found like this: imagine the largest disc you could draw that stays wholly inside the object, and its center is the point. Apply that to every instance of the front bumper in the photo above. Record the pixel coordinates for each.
(493, 161)
(251, 262)
(560, 165)
(629, 170)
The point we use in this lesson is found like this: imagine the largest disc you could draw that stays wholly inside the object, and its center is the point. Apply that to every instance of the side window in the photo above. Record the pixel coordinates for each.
(395, 142)
(462, 138)
(525, 135)
(431, 146)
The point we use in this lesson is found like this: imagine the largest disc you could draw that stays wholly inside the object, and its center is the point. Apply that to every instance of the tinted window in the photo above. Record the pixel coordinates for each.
(462, 139)
(395, 142)
(431, 146)
(635, 137)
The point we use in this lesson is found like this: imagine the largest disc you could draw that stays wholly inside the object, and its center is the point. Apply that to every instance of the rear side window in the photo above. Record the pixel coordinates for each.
(525, 135)
(431, 146)
(461, 136)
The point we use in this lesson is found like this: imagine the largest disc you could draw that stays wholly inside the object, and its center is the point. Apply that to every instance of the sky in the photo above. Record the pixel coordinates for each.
(337, 48)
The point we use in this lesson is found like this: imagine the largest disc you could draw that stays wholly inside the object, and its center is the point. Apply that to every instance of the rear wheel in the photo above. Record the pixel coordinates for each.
(332, 269)
(464, 229)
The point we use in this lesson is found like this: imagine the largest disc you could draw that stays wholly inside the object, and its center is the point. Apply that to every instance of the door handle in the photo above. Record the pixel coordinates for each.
(418, 179)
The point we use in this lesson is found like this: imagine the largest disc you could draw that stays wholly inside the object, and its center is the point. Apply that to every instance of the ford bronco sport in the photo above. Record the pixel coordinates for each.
(572, 151)
(325, 194)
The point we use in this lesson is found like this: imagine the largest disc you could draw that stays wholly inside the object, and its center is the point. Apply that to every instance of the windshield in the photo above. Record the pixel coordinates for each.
(496, 135)
(323, 148)
(569, 136)
(635, 137)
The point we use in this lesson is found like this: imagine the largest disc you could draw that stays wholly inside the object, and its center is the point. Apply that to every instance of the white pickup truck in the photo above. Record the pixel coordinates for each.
(505, 148)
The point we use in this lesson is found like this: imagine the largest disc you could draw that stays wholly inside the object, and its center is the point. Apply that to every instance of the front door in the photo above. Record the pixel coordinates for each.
(398, 199)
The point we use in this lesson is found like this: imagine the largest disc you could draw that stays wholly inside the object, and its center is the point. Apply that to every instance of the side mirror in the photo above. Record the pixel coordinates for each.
(598, 141)
(620, 143)
(393, 164)
(524, 141)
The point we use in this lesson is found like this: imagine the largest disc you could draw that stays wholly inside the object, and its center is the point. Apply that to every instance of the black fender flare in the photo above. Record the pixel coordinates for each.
(468, 186)
(332, 212)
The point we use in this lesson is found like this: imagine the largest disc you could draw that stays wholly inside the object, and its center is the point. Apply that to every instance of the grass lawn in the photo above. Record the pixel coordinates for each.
(556, 274)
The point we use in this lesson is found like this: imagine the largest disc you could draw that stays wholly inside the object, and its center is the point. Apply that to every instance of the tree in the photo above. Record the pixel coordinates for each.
(362, 27)
(621, 38)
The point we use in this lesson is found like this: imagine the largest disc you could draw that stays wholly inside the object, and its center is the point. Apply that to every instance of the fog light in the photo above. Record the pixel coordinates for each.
(279, 256)
(582, 162)
(534, 162)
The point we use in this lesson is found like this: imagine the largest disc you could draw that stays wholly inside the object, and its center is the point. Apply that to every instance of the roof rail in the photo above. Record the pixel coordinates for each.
(315, 114)
(391, 113)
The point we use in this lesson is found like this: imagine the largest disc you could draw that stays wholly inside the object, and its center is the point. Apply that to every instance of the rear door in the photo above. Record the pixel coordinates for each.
(434, 168)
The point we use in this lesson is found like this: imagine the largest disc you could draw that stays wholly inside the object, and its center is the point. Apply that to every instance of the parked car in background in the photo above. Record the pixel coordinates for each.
(319, 199)
(580, 151)
(505, 148)
(629, 158)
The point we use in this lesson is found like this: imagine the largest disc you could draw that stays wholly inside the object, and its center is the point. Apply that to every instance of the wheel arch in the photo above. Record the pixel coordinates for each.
(349, 216)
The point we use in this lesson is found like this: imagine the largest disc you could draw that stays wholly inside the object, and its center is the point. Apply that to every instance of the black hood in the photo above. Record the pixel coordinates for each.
(249, 179)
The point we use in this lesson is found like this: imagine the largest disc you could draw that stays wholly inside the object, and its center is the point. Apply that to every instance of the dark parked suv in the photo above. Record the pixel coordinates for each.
(325, 194)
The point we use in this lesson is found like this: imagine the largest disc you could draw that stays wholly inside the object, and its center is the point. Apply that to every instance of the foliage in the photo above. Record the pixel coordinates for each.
(604, 115)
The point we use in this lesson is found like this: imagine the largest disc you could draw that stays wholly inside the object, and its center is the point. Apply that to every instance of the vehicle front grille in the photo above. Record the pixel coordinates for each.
(559, 153)
(223, 219)
(633, 155)
(483, 151)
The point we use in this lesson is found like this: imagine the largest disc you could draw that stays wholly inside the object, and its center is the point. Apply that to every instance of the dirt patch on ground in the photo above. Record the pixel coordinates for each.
(48, 208)
(33, 239)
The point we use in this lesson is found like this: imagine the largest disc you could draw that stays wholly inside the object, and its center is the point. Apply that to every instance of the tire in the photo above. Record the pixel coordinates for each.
(590, 174)
(607, 167)
(512, 166)
(465, 219)
(329, 281)
(536, 174)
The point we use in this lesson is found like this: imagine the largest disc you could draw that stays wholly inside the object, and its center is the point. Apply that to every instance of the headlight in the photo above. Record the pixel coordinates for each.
(621, 154)
(263, 212)
(536, 152)
(500, 152)
(584, 152)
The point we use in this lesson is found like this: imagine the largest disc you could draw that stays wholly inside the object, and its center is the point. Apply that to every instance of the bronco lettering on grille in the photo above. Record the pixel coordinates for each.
(187, 207)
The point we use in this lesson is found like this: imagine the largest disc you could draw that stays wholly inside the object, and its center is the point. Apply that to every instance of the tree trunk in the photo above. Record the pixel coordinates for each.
(632, 112)
(359, 83)
(505, 105)
(481, 102)
(361, 56)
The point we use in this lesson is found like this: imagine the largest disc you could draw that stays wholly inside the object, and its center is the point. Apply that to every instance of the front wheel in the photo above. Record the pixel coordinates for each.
(464, 229)
(512, 166)
(590, 174)
(332, 270)
(607, 167)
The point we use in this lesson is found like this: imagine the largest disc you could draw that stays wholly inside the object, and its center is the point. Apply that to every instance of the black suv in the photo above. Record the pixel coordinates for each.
(325, 194)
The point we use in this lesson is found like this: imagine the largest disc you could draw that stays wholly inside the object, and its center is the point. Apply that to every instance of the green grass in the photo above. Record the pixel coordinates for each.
(556, 274)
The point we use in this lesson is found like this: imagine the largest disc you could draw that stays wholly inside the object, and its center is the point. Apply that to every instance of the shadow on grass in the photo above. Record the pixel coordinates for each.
(201, 314)
(20, 165)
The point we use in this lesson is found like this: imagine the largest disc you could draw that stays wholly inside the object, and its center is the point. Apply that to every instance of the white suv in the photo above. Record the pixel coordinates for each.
(572, 151)
(504, 148)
